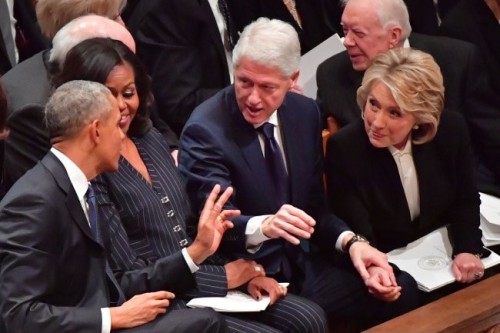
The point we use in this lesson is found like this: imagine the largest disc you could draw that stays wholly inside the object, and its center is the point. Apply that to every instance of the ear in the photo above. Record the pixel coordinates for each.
(395, 37)
(94, 128)
(295, 77)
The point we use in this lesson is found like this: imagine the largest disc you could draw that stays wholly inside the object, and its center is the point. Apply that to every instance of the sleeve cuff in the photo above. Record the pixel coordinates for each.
(254, 235)
(192, 266)
(106, 320)
(338, 243)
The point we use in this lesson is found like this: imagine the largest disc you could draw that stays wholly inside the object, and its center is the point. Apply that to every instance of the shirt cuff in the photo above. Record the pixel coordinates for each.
(106, 320)
(192, 266)
(254, 235)
(338, 243)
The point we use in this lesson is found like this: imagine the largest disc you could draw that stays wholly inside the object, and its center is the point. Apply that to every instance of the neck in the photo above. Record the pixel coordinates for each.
(84, 161)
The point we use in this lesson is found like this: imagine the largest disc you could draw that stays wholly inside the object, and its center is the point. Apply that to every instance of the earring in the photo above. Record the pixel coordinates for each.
(416, 127)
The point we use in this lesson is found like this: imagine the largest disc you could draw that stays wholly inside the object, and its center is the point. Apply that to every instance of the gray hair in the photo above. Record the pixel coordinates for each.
(83, 28)
(391, 13)
(271, 43)
(74, 105)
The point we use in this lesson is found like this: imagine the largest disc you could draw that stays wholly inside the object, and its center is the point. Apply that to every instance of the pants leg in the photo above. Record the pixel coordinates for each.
(183, 321)
(292, 314)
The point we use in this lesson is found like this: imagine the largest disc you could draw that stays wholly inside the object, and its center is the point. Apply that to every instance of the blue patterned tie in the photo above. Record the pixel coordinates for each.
(275, 164)
(119, 297)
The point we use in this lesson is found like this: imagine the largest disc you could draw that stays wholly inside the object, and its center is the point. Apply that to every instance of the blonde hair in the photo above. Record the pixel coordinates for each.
(415, 82)
(52, 15)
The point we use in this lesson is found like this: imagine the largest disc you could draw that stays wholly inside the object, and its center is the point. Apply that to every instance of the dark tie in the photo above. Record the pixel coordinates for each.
(275, 164)
(231, 34)
(118, 296)
(91, 202)
(6, 32)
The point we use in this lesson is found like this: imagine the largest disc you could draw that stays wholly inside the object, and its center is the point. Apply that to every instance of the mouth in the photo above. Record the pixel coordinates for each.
(253, 111)
(124, 119)
(376, 135)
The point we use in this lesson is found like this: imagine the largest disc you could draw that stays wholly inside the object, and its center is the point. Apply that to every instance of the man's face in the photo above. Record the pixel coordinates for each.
(260, 90)
(110, 138)
(364, 36)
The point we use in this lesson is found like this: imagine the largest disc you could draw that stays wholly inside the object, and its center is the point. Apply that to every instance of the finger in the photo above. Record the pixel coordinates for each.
(229, 213)
(360, 267)
(162, 294)
(298, 222)
(456, 272)
(301, 215)
(254, 292)
(224, 198)
(209, 203)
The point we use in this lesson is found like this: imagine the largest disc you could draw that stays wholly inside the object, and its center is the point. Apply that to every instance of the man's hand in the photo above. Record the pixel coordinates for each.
(289, 223)
(363, 255)
(270, 286)
(140, 309)
(212, 224)
(380, 285)
(467, 268)
(241, 271)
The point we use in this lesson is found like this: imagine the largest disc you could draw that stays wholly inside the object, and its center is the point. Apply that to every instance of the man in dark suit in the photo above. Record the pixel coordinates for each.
(54, 273)
(182, 47)
(477, 22)
(282, 203)
(467, 86)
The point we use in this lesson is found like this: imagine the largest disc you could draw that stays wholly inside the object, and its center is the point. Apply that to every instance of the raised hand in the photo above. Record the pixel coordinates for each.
(212, 224)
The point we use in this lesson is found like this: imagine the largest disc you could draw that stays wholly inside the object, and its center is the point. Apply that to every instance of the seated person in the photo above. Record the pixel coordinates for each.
(406, 168)
(3, 114)
(54, 271)
(146, 206)
(265, 141)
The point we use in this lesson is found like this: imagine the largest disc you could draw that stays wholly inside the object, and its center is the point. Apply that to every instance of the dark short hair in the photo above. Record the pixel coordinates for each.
(93, 59)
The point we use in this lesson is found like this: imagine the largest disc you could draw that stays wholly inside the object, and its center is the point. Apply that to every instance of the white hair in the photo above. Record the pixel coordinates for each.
(271, 43)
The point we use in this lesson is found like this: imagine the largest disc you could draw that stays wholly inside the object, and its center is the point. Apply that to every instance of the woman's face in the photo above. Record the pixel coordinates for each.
(121, 82)
(385, 123)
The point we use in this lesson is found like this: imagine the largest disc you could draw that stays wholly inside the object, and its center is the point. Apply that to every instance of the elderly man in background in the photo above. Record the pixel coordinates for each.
(375, 26)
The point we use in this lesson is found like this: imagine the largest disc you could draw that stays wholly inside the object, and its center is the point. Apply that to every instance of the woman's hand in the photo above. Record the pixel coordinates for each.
(467, 267)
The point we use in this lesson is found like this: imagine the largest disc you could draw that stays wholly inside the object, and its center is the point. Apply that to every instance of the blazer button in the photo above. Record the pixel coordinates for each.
(165, 200)
(170, 213)
(177, 228)
(183, 242)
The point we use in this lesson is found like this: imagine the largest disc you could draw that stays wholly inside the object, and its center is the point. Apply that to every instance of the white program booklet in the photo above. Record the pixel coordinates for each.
(234, 301)
(490, 219)
(310, 61)
(428, 260)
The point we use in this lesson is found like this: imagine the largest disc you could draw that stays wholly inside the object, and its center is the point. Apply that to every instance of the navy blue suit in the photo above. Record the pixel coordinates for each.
(219, 147)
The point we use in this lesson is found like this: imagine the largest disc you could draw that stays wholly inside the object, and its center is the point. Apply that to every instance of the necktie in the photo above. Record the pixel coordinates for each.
(6, 31)
(91, 202)
(275, 164)
(118, 296)
(230, 36)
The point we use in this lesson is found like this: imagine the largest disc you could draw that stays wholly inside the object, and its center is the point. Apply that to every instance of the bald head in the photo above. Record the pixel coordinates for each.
(87, 27)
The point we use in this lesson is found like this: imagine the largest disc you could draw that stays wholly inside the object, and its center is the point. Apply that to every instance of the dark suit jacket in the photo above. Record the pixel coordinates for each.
(473, 21)
(314, 30)
(365, 189)
(466, 91)
(53, 271)
(180, 45)
(219, 147)
(148, 221)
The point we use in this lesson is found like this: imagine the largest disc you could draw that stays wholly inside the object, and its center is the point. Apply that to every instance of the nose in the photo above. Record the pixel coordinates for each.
(121, 103)
(348, 40)
(379, 120)
(254, 97)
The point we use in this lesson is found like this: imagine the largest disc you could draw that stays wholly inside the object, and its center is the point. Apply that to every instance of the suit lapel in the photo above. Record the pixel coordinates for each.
(248, 142)
(72, 203)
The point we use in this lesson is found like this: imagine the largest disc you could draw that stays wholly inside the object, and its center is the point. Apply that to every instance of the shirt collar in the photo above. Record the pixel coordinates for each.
(273, 119)
(406, 150)
(76, 176)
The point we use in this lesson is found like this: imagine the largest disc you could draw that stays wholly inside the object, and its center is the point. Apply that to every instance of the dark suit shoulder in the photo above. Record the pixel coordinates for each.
(339, 62)
(433, 44)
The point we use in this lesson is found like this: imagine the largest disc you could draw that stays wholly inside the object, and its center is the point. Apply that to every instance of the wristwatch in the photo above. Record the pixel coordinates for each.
(354, 239)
